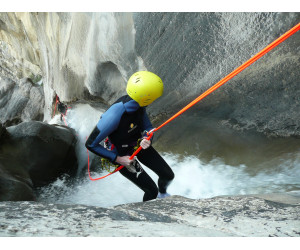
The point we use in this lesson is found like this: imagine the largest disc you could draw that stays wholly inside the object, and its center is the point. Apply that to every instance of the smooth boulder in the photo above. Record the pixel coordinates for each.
(34, 154)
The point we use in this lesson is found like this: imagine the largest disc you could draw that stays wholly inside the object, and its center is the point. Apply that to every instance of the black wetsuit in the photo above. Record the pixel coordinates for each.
(124, 123)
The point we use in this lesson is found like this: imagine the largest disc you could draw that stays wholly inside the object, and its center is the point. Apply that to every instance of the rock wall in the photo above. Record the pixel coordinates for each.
(193, 51)
(90, 56)
(79, 54)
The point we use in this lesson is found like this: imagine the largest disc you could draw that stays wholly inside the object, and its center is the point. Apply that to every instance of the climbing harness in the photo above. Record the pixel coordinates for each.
(213, 88)
(109, 166)
(105, 163)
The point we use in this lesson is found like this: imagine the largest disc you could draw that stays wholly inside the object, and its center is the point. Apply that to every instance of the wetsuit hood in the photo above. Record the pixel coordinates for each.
(130, 105)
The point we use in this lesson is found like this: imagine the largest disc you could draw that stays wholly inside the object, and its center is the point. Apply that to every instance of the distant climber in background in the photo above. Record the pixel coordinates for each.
(62, 108)
(124, 123)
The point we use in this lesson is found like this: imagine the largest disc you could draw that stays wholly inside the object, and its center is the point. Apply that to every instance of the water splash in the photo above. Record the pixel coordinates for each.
(193, 179)
(83, 118)
(196, 179)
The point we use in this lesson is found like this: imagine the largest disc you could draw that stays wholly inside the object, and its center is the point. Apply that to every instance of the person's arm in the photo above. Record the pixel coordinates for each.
(108, 123)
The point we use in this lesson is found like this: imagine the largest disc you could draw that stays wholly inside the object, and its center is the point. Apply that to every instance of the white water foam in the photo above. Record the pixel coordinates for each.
(193, 178)
(196, 179)
(83, 118)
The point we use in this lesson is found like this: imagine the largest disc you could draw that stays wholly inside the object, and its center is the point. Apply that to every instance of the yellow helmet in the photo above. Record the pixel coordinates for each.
(144, 87)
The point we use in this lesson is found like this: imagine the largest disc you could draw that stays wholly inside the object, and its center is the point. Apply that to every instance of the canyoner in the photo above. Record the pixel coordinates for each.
(123, 124)
(143, 102)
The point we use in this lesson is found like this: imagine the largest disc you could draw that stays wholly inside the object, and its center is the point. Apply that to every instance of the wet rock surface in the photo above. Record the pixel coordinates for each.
(33, 154)
(173, 216)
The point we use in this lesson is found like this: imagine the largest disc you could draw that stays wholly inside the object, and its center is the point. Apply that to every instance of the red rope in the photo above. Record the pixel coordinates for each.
(64, 119)
(102, 177)
(65, 115)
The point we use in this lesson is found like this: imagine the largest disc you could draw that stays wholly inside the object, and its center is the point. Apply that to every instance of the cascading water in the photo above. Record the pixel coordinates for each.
(196, 176)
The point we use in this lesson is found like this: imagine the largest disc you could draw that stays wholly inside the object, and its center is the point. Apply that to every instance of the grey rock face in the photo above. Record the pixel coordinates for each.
(173, 216)
(76, 53)
(93, 54)
(22, 101)
(34, 154)
(193, 51)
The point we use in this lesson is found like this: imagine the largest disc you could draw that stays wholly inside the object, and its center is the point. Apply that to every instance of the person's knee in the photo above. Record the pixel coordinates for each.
(164, 181)
(171, 175)
(168, 175)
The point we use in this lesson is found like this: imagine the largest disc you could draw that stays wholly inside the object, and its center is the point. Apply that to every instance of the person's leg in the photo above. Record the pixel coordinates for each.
(139, 177)
(150, 158)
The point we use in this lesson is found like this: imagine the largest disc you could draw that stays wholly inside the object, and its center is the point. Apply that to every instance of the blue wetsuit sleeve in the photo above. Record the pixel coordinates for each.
(107, 124)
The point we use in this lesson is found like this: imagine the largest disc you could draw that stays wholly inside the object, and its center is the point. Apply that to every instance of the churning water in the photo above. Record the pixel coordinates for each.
(270, 166)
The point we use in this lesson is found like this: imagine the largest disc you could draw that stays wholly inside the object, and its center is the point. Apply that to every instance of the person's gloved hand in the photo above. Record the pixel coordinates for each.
(145, 143)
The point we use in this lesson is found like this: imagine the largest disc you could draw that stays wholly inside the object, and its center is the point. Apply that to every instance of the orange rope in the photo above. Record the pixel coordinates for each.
(118, 168)
(234, 73)
(219, 84)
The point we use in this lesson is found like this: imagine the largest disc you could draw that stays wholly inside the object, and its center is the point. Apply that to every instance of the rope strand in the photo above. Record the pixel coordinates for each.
(217, 85)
